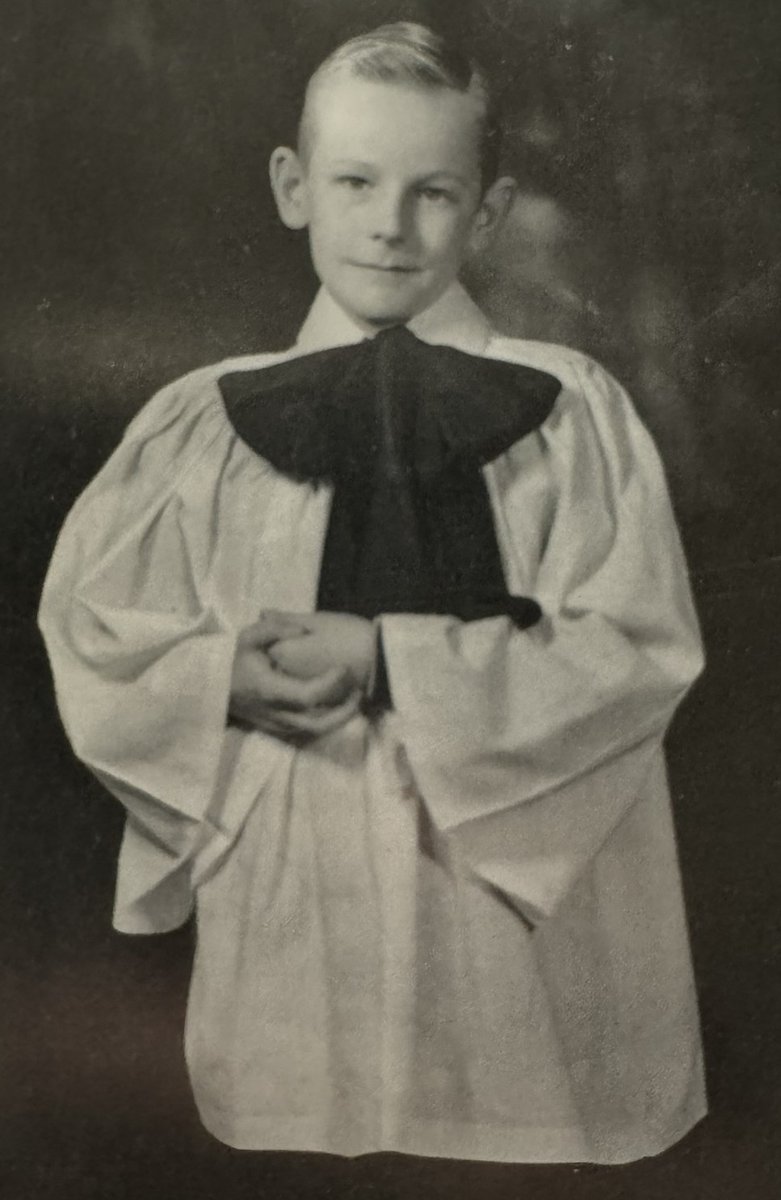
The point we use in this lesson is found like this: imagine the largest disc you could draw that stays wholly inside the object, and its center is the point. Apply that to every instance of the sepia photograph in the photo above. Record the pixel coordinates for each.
(392, 546)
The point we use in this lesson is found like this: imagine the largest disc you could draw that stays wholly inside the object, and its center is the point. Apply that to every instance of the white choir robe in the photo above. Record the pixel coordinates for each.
(457, 930)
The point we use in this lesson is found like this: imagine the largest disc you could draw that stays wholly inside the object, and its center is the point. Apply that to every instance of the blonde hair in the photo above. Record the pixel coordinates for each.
(404, 52)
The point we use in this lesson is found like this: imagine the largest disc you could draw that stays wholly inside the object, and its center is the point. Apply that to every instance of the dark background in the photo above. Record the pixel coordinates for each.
(138, 240)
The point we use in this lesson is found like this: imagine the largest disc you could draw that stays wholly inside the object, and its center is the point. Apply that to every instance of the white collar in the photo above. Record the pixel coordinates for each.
(452, 320)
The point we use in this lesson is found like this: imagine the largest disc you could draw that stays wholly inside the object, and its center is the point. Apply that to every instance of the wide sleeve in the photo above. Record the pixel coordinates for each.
(140, 656)
(528, 747)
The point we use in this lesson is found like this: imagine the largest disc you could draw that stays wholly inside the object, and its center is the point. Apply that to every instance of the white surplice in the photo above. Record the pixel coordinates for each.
(459, 930)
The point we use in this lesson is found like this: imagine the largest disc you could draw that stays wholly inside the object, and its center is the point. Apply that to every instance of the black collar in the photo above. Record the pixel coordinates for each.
(321, 415)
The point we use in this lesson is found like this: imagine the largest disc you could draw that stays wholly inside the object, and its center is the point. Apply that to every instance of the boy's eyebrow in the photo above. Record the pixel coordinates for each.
(357, 164)
(447, 175)
(353, 164)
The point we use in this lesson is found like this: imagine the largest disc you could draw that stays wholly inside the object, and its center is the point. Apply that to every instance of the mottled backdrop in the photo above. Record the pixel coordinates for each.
(138, 240)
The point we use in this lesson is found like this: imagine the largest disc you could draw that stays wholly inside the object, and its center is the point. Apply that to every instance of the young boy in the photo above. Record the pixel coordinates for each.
(377, 640)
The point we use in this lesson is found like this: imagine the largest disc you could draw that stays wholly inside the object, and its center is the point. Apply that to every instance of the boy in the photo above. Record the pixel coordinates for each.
(377, 641)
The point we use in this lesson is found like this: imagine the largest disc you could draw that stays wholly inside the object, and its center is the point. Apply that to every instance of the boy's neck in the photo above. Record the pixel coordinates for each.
(453, 319)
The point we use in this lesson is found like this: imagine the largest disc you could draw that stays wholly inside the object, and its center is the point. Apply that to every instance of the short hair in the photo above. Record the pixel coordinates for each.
(405, 52)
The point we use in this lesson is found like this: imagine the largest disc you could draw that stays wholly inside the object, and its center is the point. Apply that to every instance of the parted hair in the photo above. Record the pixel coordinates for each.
(405, 52)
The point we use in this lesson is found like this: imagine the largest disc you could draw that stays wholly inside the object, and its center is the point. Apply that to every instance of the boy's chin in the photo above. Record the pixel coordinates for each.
(380, 305)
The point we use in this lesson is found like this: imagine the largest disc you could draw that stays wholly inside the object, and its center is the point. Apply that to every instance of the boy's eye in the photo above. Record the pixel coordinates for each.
(354, 183)
(437, 194)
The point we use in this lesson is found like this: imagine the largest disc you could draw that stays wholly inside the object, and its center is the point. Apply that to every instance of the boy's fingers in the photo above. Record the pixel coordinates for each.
(327, 719)
(299, 695)
(302, 726)
(281, 614)
(279, 694)
(330, 688)
(271, 627)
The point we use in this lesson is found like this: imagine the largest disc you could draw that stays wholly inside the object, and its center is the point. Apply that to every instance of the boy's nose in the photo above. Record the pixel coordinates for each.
(390, 217)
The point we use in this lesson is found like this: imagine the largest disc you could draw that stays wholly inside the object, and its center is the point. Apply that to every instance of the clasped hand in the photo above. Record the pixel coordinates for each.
(299, 676)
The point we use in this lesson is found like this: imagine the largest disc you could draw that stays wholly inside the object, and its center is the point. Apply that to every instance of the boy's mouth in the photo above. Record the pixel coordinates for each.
(392, 268)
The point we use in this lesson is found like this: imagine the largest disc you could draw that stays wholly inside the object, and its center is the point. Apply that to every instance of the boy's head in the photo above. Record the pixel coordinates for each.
(413, 56)
(395, 171)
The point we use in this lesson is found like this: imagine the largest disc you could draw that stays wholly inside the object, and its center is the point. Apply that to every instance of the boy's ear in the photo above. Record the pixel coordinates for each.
(493, 209)
(288, 183)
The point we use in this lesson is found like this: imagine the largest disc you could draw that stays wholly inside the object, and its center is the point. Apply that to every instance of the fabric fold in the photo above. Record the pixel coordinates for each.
(141, 657)
(529, 747)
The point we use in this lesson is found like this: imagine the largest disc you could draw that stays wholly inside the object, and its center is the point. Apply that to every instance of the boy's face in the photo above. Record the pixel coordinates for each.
(391, 193)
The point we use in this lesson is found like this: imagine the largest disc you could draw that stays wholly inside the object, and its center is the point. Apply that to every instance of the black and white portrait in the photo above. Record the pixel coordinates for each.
(392, 557)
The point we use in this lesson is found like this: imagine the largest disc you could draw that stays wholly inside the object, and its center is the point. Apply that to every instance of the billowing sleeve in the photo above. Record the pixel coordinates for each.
(529, 746)
(140, 657)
